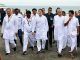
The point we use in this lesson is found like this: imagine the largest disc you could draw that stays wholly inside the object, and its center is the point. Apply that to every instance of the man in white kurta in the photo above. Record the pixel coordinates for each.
(59, 31)
(72, 30)
(41, 26)
(27, 28)
(8, 30)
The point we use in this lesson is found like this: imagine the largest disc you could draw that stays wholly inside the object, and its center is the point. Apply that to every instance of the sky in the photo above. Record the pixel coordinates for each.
(40, 2)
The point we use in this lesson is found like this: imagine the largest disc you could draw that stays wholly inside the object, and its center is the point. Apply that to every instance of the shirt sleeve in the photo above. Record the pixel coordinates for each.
(16, 24)
(77, 22)
(33, 24)
(3, 25)
(46, 23)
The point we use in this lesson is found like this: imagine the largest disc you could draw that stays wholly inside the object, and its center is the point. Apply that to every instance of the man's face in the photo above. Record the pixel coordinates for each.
(70, 14)
(40, 12)
(9, 12)
(16, 12)
(28, 15)
(49, 10)
(34, 11)
(59, 12)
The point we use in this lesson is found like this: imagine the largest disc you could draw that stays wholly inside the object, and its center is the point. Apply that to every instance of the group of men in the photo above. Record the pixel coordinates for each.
(40, 27)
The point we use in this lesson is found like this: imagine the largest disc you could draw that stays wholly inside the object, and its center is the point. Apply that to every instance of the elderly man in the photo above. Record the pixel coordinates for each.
(8, 30)
(59, 31)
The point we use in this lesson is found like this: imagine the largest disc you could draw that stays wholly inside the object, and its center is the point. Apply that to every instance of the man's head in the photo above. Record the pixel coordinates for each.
(43, 10)
(49, 10)
(28, 14)
(9, 11)
(59, 12)
(63, 13)
(40, 12)
(16, 11)
(71, 13)
(34, 10)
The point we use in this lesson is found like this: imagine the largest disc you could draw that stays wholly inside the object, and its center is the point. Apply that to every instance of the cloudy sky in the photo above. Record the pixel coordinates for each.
(40, 2)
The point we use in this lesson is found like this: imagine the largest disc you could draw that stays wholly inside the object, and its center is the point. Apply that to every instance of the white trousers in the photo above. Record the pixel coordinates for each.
(60, 43)
(41, 44)
(7, 45)
(72, 42)
(28, 38)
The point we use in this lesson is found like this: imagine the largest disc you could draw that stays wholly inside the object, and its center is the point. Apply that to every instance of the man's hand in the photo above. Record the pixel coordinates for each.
(70, 18)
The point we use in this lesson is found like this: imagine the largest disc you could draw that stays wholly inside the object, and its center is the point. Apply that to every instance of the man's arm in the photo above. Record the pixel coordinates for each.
(65, 24)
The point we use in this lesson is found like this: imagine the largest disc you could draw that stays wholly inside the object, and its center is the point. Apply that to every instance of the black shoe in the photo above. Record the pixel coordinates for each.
(38, 52)
(42, 51)
(14, 48)
(59, 55)
(25, 53)
(7, 53)
(31, 48)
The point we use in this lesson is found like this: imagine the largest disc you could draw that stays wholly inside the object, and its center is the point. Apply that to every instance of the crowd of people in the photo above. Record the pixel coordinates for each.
(41, 30)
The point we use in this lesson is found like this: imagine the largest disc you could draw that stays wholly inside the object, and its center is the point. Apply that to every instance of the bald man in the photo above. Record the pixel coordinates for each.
(9, 31)
(59, 31)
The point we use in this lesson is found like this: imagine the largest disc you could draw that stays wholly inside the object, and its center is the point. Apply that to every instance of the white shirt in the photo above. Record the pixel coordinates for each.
(40, 24)
(9, 27)
(72, 26)
(20, 20)
(27, 24)
(58, 26)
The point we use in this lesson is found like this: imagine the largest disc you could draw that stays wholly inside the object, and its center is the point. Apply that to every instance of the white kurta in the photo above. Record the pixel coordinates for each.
(28, 37)
(41, 26)
(9, 27)
(72, 33)
(59, 31)
(19, 21)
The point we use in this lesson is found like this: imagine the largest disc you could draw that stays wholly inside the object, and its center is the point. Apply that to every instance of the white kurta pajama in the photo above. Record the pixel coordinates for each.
(59, 32)
(41, 26)
(8, 31)
(28, 37)
(72, 33)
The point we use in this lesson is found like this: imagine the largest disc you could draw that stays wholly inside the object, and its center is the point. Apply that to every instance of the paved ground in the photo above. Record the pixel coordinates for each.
(49, 55)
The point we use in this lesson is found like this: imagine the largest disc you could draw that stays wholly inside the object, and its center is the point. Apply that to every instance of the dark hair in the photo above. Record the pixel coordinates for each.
(64, 12)
(57, 8)
(28, 12)
(50, 8)
(71, 11)
(41, 10)
(34, 9)
(16, 9)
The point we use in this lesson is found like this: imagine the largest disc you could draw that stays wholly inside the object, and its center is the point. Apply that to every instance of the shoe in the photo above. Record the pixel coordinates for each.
(31, 48)
(7, 53)
(72, 55)
(59, 55)
(38, 52)
(25, 53)
(14, 48)
(42, 51)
